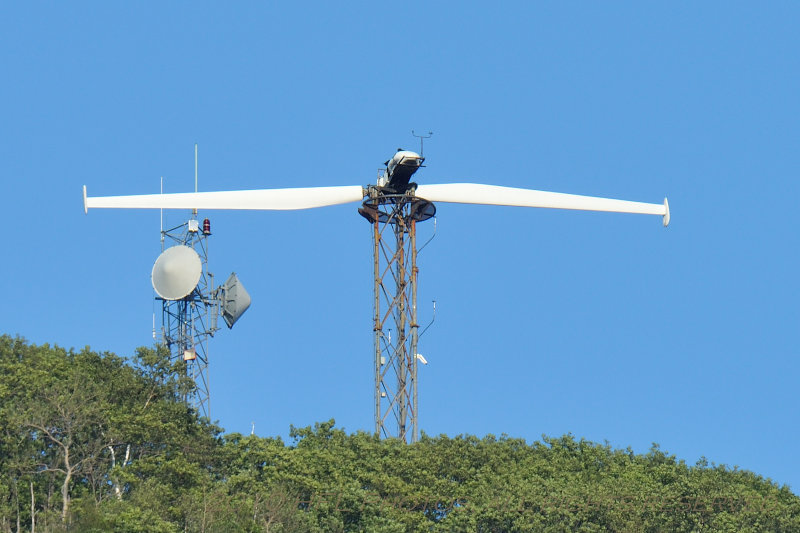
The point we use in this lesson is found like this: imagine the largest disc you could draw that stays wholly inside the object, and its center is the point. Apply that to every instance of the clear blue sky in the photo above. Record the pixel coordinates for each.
(604, 325)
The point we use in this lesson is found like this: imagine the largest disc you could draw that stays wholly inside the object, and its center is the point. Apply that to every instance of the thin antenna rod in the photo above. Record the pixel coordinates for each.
(194, 211)
(162, 217)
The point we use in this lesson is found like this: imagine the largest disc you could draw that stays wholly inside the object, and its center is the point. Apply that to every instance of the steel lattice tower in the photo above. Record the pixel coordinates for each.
(188, 323)
(394, 219)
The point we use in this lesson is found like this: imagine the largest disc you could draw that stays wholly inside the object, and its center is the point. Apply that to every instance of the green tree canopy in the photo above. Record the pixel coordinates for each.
(95, 442)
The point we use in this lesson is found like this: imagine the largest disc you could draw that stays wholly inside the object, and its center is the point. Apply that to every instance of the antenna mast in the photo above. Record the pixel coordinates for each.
(188, 323)
(190, 304)
(194, 211)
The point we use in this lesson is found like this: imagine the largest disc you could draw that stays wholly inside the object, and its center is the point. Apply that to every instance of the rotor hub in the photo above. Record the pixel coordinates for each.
(387, 206)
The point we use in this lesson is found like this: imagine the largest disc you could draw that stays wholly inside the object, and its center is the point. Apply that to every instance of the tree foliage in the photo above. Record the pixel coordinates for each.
(95, 442)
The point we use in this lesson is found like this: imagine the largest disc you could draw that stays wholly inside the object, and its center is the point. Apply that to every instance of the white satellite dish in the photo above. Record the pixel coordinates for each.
(176, 272)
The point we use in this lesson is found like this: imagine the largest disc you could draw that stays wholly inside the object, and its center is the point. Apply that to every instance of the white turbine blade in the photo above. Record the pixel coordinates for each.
(474, 193)
(277, 199)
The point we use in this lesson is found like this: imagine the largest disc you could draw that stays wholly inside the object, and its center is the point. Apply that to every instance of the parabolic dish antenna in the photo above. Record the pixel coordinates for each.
(176, 272)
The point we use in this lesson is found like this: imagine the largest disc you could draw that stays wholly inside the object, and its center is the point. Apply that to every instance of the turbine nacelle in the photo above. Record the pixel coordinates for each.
(399, 170)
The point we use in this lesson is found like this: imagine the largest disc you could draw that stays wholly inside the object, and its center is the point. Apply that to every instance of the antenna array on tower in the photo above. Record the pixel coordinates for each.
(188, 320)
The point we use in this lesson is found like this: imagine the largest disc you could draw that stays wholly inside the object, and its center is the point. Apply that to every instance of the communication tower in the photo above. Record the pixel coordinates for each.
(190, 304)
(188, 309)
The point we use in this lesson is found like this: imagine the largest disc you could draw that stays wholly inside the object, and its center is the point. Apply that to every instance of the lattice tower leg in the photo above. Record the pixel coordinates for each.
(395, 323)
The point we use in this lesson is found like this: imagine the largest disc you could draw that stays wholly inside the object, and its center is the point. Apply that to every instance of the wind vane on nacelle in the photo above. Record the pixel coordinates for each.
(396, 180)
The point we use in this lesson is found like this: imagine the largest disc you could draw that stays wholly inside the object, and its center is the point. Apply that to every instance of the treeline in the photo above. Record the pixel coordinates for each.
(94, 442)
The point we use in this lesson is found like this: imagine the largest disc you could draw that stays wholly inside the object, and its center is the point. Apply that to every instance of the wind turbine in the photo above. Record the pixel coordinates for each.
(393, 206)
